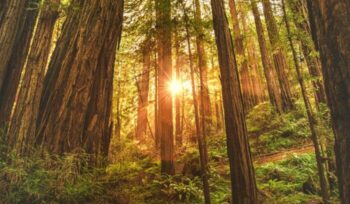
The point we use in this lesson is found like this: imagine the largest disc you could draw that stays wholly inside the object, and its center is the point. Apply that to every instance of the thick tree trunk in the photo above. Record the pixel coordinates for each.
(203, 67)
(75, 107)
(165, 128)
(143, 89)
(156, 102)
(243, 183)
(269, 69)
(16, 30)
(279, 57)
(330, 25)
(23, 125)
(310, 115)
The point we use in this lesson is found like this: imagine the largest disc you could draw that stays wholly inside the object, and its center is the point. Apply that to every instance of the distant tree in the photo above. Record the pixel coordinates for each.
(279, 57)
(243, 182)
(268, 66)
(143, 89)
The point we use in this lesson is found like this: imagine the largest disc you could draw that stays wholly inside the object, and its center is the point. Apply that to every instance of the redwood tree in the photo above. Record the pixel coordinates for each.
(243, 182)
(279, 57)
(23, 125)
(16, 29)
(75, 108)
(165, 112)
(330, 23)
(269, 69)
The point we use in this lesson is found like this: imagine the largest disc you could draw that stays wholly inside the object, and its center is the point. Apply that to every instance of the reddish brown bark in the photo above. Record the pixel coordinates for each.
(165, 117)
(23, 125)
(16, 30)
(75, 108)
(269, 70)
(279, 57)
(243, 183)
(330, 23)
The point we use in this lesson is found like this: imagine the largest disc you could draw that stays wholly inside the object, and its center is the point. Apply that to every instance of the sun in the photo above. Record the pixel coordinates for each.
(175, 86)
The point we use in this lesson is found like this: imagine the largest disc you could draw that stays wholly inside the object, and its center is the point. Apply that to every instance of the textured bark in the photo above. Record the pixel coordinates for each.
(310, 115)
(243, 183)
(75, 107)
(330, 23)
(156, 102)
(313, 62)
(203, 66)
(279, 57)
(165, 127)
(269, 69)
(23, 125)
(3, 7)
(143, 89)
(16, 30)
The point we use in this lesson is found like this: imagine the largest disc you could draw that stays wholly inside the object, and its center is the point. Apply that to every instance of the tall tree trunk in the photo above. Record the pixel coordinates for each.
(330, 23)
(165, 129)
(16, 31)
(310, 115)
(242, 58)
(279, 57)
(313, 62)
(23, 125)
(243, 183)
(258, 86)
(269, 69)
(202, 146)
(143, 89)
(156, 102)
(75, 107)
(178, 66)
(203, 67)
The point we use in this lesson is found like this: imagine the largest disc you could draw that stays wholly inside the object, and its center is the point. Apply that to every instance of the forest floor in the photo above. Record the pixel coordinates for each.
(283, 155)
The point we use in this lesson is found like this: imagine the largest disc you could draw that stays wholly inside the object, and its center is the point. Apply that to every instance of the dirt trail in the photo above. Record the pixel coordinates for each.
(278, 156)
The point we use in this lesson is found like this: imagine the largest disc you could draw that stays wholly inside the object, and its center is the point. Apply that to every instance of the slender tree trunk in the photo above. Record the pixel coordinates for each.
(16, 31)
(203, 67)
(156, 102)
(163, 10)
(242, 58)
(75, 107)
(143, 87)
(23, 125)
(313, 62)
(330, 24)
(279, 57)
(269, 70)
(243, 183)
(310, 115)
(258, 87)
(199, 132)
(178, 66)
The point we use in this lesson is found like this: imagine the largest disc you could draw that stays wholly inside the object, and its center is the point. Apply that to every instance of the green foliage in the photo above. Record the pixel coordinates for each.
(270, 132)
(277, 180)
(42, 178)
